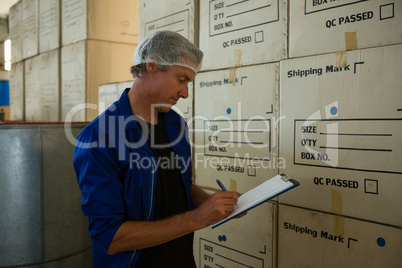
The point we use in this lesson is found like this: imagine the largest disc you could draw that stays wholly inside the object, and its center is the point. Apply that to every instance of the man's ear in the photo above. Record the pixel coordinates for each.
(151, 67)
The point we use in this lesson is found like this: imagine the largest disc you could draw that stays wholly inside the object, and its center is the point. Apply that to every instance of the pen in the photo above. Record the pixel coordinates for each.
(222, 186)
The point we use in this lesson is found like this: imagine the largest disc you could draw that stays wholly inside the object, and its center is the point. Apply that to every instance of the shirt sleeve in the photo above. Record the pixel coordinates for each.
(100, 181)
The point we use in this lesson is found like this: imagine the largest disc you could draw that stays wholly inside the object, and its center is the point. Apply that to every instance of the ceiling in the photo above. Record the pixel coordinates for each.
(5, 6)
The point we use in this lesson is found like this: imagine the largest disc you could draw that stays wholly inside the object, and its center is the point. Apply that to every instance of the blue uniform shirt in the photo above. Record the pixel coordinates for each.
(116, 173)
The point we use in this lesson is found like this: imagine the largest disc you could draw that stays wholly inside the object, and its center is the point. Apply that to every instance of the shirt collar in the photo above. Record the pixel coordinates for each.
(124, 107)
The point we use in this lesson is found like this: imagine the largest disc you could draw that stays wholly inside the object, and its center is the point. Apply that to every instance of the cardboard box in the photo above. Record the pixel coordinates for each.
(105, 20)
(49, 25)
(308, 238)
(30, 22)
(109, 93)
(4, 75)
(236, 33)
(174, 15)
(32, 89)
(15, 27)
(4, 113)
(318, 27)
(85, 66)
(235, 127)
(73, 82)
(249, 241)
(42, 78)
(341, 132)
(17, 91)
(49, 85)
(184, 107)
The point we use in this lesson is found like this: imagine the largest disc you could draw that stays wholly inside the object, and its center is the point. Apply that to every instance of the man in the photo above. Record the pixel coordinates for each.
(133, 165)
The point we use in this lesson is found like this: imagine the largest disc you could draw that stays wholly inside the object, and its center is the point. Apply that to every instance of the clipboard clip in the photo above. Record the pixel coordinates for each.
(286, 178)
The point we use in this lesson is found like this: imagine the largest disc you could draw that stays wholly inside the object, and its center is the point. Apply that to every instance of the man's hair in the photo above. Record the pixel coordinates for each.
(139, 69)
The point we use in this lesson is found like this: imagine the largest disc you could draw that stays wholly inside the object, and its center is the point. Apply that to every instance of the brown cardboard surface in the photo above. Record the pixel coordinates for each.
(30, 22)
(49, 85)
(17, 91)
(340, 132)
(73, 81)
(5, 110)
(115, 21)
(32, 89)
(42, 76)
(111, 92)
(318, 27)
(106, 62)
(235, 126)
(308, 238)
(73, 21)
(49, 25)
(350, 41)
(15, 28)
(244, 242)
(174, 15)
(87, 65)
(238, 33)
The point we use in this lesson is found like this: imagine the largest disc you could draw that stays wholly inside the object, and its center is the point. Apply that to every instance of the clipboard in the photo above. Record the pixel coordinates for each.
(267, 190)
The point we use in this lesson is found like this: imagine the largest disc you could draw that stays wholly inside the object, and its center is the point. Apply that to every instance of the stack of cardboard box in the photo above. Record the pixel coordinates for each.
(340, 93)
(307, 88)
(63, 50)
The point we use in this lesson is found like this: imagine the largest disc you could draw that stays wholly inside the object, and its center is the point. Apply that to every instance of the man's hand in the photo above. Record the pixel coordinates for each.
(215, 208)
(133, 235)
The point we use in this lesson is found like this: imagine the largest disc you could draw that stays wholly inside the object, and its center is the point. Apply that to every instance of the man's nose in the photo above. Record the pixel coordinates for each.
(183, 93)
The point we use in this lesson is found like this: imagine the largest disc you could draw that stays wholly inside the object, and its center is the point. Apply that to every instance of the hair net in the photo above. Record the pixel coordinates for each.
(168, 48)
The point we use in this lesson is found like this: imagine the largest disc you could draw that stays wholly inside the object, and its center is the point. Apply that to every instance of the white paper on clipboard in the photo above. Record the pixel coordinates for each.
(267, 190)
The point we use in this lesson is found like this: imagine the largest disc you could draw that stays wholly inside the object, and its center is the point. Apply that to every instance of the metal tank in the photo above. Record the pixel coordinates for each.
(41, 223)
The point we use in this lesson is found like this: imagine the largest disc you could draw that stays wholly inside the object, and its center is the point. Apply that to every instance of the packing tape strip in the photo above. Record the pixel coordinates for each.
(341, 59)
(233, 185)
(238, 58)
(350, 40)
(339, 225)
(337, 208)
(232, 76)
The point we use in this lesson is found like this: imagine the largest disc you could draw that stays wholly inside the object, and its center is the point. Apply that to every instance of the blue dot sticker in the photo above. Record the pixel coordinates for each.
(229, 111)
(334, 110)
(381, 242)
(222, 238)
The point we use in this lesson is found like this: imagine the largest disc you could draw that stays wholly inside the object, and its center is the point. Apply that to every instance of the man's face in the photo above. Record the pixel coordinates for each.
(169, 86)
